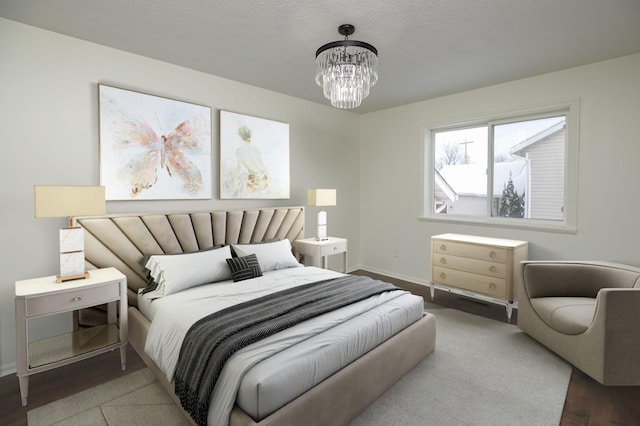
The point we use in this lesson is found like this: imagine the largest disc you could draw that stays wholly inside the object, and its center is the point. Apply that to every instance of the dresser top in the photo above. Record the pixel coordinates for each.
(480, 240)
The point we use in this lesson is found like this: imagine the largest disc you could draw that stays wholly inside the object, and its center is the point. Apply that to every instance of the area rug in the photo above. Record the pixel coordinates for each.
(483, 372)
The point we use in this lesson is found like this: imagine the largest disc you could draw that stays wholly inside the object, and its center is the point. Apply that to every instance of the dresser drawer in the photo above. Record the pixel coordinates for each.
(491, 286)
(473, 251)
(475, 266)
(72, 300)
(333, 248)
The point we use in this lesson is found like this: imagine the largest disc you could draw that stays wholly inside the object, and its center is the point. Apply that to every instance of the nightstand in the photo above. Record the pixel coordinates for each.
(321, 249)
(40, 297)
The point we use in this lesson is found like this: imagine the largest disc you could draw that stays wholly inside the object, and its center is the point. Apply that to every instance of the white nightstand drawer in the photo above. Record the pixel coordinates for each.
(72, 300)
(320, 250)
(333, 248)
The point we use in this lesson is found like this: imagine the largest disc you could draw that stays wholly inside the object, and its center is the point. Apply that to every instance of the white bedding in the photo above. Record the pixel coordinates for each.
(173, 315)
(280, 378)
(264, 363)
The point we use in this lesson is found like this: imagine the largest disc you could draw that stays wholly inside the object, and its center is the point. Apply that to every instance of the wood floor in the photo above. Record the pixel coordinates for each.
(587, 402)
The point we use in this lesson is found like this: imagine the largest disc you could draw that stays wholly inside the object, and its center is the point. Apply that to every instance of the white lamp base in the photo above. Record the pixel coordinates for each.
(322, 226)
(71, 255)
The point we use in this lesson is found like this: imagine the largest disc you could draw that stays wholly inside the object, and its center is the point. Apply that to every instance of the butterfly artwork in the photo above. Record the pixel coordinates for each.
(153, 147)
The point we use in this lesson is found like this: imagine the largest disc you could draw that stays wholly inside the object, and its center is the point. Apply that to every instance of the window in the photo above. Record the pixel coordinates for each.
(515, 171)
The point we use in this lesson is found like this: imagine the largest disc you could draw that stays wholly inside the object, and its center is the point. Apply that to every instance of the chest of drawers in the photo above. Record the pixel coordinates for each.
(479, 267)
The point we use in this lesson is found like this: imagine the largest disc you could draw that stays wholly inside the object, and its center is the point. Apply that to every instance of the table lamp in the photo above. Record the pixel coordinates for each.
(69, 201)
(321, 198)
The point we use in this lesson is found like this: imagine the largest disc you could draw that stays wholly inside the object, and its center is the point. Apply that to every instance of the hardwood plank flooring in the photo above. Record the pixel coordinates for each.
(587, 401)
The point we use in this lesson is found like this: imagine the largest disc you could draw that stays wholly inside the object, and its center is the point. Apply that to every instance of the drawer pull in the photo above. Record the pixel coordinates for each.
(492, 268)
(492, 285)
(76, 299)
(492, 254)
(443, 247)
(443, 275)
(443, 260)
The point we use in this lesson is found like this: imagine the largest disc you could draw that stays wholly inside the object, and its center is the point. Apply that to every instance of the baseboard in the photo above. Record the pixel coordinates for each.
(10, 368)
(406, 278)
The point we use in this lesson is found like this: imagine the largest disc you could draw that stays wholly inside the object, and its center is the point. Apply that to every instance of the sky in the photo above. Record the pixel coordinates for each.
(475, 139)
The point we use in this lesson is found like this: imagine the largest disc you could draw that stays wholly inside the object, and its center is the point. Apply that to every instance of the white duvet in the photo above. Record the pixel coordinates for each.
(173, 315)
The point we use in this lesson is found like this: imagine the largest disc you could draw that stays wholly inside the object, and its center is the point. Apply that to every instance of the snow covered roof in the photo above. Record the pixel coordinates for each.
(443, 189)
(471, 179)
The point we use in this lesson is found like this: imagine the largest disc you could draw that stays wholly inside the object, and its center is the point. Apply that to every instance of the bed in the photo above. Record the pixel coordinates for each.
(273, 389)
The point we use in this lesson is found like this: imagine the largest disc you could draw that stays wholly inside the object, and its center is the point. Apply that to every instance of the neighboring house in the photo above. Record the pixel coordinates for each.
(444, 194)
(545, 152)
(537, 171)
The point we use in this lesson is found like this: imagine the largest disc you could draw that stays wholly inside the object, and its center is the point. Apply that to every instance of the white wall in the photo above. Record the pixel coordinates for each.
(608, 201)
(49, 117)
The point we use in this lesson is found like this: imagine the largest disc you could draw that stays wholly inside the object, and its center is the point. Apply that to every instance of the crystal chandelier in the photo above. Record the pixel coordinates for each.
(346, 69)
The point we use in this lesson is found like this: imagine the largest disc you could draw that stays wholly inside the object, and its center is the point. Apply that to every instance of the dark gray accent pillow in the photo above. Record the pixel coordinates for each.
(244, 268)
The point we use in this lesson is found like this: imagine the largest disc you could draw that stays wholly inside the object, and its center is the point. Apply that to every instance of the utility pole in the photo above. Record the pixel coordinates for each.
(466, 158)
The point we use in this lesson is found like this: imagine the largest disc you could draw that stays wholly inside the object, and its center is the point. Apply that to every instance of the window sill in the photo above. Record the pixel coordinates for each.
(524, 224)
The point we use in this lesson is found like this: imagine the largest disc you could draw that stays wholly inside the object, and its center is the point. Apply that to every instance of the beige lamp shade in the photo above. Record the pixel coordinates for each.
(321, 197)
(68, 201)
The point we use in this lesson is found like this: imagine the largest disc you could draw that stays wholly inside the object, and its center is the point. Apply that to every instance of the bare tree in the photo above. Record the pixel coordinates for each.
(449, 153)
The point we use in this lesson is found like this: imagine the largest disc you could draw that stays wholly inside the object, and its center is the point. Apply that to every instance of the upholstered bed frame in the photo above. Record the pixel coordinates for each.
(122, 240)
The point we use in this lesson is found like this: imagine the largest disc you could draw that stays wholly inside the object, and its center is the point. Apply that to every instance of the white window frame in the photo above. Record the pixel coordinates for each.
(567, 225)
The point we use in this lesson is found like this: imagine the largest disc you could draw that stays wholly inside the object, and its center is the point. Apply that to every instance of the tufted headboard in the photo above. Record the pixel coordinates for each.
(122, 240)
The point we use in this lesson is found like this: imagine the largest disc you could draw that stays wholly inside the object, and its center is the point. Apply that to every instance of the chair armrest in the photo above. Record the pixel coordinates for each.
(615, 302)
(617, 317)
(575, 278)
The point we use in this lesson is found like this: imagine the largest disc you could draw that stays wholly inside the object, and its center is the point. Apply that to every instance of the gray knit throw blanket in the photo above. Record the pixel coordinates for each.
(212, 340)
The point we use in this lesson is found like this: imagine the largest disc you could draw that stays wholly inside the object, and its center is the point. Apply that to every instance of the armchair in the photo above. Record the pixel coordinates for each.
(586, 312)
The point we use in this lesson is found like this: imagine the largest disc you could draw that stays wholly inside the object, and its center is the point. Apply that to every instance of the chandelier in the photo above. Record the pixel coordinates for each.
(346, 69)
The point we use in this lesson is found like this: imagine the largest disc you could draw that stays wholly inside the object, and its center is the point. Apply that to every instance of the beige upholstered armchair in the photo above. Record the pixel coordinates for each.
(586, 312)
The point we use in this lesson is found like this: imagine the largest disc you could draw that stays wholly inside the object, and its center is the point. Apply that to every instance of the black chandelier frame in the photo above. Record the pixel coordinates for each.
(346, 30)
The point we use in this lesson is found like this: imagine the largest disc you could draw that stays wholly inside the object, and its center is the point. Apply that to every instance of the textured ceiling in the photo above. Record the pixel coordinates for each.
(427, 48)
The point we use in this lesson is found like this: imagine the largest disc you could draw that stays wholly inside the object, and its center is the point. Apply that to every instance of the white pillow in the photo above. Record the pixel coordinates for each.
(271, 256)
(177, 272)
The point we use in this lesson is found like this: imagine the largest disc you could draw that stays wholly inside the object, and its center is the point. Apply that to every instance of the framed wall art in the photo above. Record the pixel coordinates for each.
(254, 157)
(153, 148)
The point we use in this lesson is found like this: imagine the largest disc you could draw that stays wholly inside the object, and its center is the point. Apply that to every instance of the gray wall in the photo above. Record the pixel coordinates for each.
(396, 243)
(49, 110)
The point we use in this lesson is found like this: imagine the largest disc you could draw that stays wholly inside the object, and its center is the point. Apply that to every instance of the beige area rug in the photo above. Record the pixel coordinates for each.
(483, 372)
